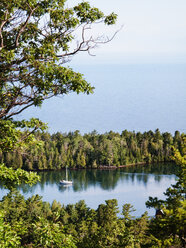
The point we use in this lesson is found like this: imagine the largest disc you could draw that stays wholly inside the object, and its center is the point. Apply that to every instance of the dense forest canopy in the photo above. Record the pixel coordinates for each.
(93, 150)
(34, 223)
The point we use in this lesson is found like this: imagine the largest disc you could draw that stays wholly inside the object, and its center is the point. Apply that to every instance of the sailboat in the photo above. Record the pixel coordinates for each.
(66, 181)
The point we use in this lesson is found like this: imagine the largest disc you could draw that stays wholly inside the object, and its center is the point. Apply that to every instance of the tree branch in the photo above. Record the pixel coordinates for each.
(24, 26)
(1, 28)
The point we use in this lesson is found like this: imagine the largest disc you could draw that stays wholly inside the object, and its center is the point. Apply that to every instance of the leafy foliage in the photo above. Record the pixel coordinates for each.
(45, 225)
(11, 178)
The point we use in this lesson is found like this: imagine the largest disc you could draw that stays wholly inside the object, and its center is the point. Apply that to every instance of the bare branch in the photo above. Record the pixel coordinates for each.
(107, 40)
(89, 44)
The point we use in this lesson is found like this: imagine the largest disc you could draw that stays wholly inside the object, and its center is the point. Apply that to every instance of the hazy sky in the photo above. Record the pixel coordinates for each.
(154, 31)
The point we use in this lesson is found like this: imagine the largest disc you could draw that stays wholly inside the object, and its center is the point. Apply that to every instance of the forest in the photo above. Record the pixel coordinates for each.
(34, 223)
(37, 39)
(93, 150)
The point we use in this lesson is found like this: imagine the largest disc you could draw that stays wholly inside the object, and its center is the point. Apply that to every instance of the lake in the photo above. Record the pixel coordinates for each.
(139, 97)
(128, 185)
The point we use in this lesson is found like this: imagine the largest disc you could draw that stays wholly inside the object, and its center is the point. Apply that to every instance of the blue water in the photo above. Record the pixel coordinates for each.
(133, 97)
(131, 185)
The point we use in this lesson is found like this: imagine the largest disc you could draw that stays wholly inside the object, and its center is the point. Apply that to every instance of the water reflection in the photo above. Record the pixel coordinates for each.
(105, 179)
(128, 185)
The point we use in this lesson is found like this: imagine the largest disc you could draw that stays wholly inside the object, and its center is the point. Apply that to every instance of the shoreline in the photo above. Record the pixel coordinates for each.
(105, 167)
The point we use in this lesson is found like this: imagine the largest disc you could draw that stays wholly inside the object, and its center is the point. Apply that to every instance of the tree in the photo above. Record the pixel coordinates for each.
(8, 237)
(36, 39)
(108, 227)
(170, 227)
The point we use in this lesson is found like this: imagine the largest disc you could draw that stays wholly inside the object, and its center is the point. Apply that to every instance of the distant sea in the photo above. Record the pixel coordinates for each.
(136, 97)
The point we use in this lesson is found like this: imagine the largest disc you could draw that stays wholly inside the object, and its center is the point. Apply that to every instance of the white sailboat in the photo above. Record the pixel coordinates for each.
(66, 181)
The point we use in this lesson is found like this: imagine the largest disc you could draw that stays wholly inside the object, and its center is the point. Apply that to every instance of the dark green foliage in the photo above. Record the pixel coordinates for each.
(38, 224)
(34, 223)
(170, 227)
(93, 150)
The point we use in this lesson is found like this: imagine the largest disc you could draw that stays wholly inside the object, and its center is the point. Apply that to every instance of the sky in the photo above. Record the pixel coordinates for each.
(127, 94)
(153, 31)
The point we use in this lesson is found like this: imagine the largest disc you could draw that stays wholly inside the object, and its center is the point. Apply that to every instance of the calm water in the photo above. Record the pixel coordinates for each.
(130, 185)
(133, 97)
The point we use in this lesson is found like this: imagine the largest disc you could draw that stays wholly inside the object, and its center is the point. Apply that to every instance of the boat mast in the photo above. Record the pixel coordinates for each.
(66, 174)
